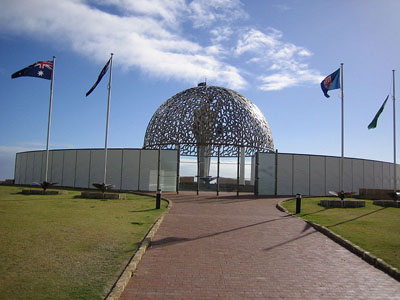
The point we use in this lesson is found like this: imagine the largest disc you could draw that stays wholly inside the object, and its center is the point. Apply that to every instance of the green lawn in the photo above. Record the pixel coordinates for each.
(374, 228)
(66, 247)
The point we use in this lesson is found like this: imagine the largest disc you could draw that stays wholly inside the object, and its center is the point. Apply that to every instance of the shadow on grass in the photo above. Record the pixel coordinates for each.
(96, 199)
(137, 223)
(143, 210)
(356, 218)
(315, 212)
(22, 194)
(30, 198)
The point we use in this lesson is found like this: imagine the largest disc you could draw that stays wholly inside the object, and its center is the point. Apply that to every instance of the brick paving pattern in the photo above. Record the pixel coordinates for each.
(244, 248)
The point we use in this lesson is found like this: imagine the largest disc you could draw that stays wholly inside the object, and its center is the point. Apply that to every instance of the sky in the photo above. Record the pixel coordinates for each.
(273, 52)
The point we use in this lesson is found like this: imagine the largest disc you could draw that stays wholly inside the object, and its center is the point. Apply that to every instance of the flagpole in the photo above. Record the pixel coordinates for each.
(49, 119)
(341, 159)
(394, 134)
(107, 121)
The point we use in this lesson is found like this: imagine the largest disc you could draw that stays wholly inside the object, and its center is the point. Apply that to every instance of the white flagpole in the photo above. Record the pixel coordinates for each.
(49, 119)
(394, 134)
(107, 122)
(341, 159)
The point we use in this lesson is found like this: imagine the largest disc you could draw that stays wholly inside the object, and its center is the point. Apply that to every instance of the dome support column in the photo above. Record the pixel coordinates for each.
(238, 171)
(242, 166)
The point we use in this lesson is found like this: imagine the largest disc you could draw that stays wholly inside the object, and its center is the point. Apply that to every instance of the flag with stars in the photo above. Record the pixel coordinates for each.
(41, 69)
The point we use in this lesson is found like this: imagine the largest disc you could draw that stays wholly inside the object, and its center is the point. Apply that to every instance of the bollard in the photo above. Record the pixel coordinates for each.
(298, 203)
(158, 199)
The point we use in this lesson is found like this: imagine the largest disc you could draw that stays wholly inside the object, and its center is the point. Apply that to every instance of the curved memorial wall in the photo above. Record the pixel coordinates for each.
(316, 175)
(137, 170)
(127, 169)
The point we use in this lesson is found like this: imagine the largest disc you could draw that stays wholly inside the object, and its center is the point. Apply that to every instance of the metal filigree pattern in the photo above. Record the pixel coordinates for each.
(208, 118)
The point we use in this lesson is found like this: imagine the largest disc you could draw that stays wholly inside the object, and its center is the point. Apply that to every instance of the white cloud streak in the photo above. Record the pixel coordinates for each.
(140, 38)
(284, 60)
(151, 35)
(206, 12)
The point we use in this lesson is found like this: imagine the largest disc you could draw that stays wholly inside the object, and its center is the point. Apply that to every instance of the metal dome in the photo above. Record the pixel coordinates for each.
(209, 118)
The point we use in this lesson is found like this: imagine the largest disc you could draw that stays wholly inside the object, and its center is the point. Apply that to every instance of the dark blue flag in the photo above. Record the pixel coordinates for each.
(331, 82)
(102, 73)
(41, 69)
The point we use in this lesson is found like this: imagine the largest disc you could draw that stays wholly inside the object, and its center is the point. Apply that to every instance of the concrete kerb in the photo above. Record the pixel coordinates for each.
(118, 288)
(366, 256)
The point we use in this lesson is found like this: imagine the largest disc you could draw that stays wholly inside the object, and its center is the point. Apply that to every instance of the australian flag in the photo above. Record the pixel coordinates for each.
(41, 69)
(331, 82)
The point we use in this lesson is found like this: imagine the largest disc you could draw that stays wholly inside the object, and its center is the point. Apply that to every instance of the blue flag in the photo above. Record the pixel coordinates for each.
(331, 82)
(41, 69)
(102, 73)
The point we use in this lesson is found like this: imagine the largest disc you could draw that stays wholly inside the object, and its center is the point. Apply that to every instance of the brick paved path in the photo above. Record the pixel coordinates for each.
(244, 248)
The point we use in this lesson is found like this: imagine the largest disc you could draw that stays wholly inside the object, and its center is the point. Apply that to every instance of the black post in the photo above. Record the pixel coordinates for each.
(298, 203)
(256, 174)
(158, 199)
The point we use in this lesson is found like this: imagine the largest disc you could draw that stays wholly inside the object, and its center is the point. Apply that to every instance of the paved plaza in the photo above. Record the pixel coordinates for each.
(244, 248)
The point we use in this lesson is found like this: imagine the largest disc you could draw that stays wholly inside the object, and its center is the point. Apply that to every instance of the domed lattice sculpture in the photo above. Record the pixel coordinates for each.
(206, 120)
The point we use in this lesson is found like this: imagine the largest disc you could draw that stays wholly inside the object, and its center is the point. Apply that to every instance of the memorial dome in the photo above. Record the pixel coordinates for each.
(214, 118)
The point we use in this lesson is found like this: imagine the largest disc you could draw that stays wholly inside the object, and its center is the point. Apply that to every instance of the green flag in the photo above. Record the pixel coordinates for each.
(374, 122)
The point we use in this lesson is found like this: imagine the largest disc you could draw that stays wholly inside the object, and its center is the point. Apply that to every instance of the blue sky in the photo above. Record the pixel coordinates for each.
(273, 52)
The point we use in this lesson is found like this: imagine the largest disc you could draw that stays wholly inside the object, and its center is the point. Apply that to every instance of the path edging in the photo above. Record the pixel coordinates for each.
(119, 286)
(365, 255)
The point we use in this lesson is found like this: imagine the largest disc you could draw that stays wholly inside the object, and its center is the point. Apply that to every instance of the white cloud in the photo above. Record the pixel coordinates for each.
(304, 52)
(138, 39)
(206, 12)
(256, 41)
(283, 60)
(168, 11)
(150, 35)
(284, 79)
(216, 50)
(277, 81)
(221, 34)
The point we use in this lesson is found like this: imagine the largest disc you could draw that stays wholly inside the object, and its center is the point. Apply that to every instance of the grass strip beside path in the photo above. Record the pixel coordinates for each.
(374, 228)
(66, 247)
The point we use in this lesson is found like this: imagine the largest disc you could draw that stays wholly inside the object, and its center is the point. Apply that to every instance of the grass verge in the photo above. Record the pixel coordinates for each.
(373, 228)
(66, 247)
